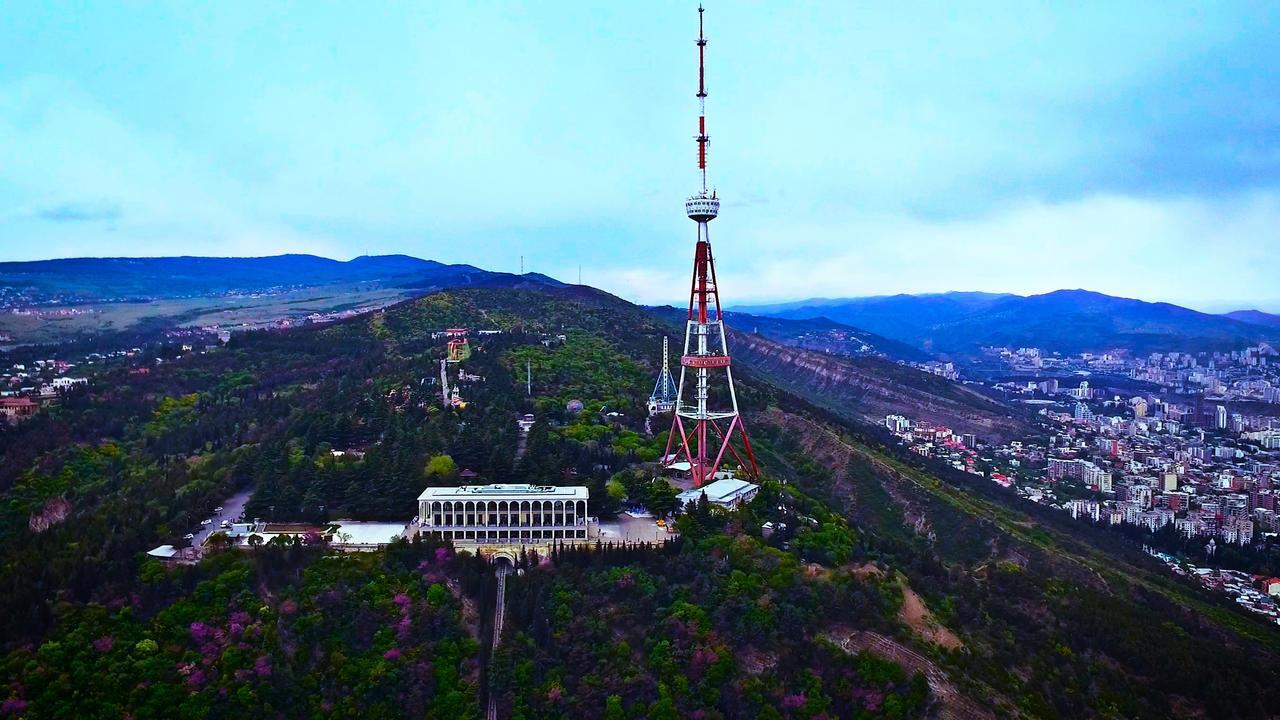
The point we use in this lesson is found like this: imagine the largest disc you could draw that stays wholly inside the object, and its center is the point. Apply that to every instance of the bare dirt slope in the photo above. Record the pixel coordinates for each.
(867, 389)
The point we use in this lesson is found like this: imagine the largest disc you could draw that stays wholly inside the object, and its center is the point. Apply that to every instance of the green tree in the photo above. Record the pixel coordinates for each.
(660, 498)
(440, 468)
(613, 708)
(218, 541)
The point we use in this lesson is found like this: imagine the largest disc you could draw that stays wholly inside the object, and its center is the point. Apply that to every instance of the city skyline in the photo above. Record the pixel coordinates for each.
(1130, 150)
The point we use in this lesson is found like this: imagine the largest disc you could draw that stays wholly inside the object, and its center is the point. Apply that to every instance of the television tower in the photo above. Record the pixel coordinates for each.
(703, 427)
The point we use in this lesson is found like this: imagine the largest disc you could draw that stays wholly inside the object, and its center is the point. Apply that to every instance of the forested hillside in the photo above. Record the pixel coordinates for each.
(885, 589)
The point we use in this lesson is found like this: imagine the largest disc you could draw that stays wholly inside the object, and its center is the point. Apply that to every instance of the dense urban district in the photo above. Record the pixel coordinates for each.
(1181, 450)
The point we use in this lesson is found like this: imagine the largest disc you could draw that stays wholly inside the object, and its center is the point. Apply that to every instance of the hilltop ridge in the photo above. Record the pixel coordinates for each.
(1069, 321)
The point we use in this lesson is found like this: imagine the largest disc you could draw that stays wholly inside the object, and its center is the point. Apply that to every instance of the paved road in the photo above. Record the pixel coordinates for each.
(444, 383)
(499, 611)
(232, 507)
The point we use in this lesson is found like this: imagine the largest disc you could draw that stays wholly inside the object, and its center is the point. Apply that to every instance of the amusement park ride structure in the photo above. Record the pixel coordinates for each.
(703, 428)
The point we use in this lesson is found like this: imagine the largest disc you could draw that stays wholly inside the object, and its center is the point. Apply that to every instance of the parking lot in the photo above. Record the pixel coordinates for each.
(232, 507)
(628, 528)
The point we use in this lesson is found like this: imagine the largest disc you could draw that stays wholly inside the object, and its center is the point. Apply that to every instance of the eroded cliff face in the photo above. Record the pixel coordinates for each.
(870, 388)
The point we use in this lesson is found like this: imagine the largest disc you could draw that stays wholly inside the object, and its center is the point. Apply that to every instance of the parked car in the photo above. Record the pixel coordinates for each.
(189, 536)
(218, 509)
(225, 524)
(206, 521)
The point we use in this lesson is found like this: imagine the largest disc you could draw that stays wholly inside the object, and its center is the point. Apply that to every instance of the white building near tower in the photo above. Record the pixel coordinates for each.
(505, 514)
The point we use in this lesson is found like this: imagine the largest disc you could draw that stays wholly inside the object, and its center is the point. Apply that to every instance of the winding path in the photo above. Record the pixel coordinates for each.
(953, 705)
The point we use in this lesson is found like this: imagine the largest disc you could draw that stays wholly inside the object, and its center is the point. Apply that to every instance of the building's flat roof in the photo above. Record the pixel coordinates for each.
(506, 491)
(164, 551)
(719, 491)
(367, 533)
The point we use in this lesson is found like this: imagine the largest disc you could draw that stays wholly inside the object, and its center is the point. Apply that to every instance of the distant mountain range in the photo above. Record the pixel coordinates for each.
(1065, 321)
(57, 301)
(1255, 317)
(819, 334)
(134, 279)
(899, 326)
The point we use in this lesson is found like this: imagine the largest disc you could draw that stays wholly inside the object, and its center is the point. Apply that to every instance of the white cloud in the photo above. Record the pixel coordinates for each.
(1188, 250)
(63, 150)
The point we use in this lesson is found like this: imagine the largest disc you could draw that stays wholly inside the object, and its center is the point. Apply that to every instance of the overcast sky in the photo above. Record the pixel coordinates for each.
(860, 148)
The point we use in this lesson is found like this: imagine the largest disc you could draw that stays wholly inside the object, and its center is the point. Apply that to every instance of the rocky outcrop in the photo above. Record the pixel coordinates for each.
(870, 388)
(54, 511)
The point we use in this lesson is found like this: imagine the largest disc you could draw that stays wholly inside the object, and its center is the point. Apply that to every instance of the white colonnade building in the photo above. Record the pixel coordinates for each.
(505, 514)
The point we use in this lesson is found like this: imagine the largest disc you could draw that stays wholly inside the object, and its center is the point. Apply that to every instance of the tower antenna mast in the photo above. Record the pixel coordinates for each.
(703, 138)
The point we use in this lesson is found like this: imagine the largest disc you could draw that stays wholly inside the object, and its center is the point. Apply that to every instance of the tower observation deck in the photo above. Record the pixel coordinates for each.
(706, 420)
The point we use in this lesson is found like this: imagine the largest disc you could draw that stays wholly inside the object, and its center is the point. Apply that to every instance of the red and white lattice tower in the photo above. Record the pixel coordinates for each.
(706, 419)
